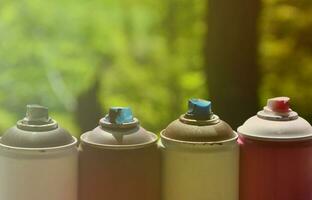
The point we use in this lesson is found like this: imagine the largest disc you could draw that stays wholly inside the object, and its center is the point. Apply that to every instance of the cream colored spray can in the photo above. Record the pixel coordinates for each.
(200, 156)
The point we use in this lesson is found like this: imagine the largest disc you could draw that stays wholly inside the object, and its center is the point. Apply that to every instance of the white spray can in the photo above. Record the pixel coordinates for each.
(38, 159)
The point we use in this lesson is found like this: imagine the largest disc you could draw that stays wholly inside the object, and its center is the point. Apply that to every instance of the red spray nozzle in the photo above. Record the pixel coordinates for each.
(279, 104)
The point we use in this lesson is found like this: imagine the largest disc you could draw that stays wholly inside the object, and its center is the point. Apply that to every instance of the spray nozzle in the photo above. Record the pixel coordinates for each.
(278, 109)
(199, 109)
(120, 115)
(279, 104)
(37, 119)
(36, 114)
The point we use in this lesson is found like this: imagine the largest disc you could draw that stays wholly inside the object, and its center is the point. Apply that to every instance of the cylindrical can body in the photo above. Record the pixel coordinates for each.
(42, 174)
(199, 156)
(275, 170)
(119, 160)
(117, 174)
(275, 154)
(38, 159)
(200, 172)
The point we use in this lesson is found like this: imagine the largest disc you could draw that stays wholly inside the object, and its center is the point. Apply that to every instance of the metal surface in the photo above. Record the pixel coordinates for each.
(276, 125)
(36, 165)
(274, 154)
(119, 160)
(36, 130)
(200, 157)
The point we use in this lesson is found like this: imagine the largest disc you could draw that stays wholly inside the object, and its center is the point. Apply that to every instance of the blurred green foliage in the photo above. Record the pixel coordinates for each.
(52, 51)
(146, 54)
(286, 52)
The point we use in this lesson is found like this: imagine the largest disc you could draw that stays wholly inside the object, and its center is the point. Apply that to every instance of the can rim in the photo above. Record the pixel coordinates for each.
(275, 139)
(213, 120)
(35, 127)
(8, 147)
(120, 146)
(198, 143)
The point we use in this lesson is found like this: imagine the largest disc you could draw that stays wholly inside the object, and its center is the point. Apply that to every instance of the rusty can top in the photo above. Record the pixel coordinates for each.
(199, 125)
(36, 130)
(276, 122)
(119, 129)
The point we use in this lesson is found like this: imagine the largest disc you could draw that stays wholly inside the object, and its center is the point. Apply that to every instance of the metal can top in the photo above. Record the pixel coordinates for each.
(36, 130)
(276, 122)
(118, 129)
(199, 125)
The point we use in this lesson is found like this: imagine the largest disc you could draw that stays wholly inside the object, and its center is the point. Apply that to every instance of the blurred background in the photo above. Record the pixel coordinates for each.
(80, 57)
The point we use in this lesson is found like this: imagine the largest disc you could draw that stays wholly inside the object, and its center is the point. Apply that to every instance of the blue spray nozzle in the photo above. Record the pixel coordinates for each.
(199, 109)
(120, 115)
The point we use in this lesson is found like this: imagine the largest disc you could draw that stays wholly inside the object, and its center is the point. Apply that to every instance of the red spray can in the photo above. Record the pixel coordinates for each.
(276, 154)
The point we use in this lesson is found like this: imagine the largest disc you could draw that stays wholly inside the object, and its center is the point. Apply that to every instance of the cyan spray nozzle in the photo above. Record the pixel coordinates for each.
(120, 115)
(199, 109)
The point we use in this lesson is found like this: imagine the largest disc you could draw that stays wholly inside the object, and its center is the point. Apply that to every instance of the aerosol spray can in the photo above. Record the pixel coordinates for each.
(200, 156)
(38, 159)
(276, 154)
(119, 160)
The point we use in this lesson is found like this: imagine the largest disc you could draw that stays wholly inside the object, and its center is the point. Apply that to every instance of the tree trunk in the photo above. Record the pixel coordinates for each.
(89, 109)
(231, 58)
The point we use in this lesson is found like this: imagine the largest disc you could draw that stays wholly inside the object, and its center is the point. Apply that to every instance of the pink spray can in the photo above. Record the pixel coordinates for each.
(276, 154)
